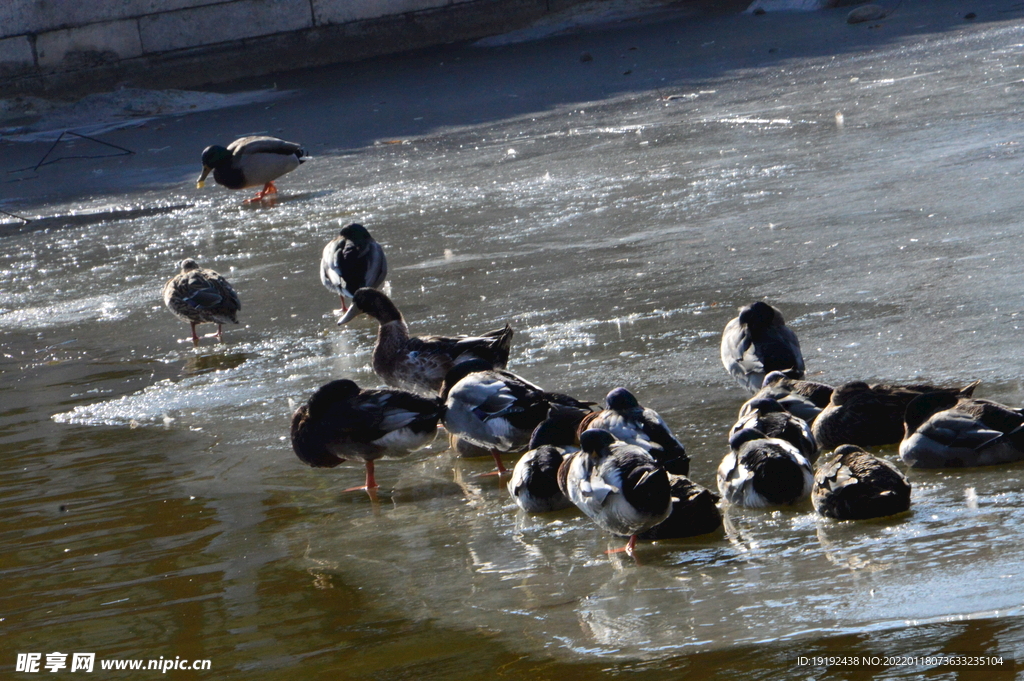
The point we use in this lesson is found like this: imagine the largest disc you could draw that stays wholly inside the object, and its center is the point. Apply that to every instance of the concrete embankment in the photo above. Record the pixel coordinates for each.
(67, 47)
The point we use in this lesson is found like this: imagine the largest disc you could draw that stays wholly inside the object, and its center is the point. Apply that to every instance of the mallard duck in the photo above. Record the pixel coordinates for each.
(870, 415)
(804, 399)
(757, 342)
(945, 430)
(534, 481)
(618, 485)
(694, 512)
(854, 485)
(419, 363)
(351, 261)
(340, 421)
(496, 409)
(628, 421)
(762, 472)
(251, 162)
(200, 296)
(767, 417)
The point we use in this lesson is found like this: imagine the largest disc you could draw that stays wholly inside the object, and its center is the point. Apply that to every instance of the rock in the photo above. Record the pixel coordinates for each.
(865, 13)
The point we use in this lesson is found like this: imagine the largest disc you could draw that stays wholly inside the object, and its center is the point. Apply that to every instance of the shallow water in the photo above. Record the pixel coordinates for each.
(151, 505)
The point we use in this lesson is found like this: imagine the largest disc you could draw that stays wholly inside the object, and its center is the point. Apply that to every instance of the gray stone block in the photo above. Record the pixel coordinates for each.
(344, 11)
(16, 53)
(18, 17)
(222, 23)
(96, 43)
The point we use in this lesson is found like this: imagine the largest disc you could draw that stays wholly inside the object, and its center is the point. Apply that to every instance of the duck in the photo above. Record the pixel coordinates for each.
(251, 162)
(496, 409)
(694, 512)
(341, 421)
(761, 472)
(854, 485)
(802, 398)
(624, 418)
(767, 417)
(758, 342)
(534, 481)
(944, 430)
(351, 261)
(870, 415)
(199, 296)
(419, 363)
(617, 485)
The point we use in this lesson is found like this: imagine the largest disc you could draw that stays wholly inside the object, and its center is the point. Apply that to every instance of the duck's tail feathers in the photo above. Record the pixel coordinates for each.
(968, 390)
(501, 346)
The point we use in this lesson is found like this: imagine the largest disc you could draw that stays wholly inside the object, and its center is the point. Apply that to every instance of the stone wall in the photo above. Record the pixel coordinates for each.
(66, 47)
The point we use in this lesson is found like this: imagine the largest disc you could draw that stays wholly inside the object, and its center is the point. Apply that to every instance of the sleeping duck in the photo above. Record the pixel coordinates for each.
(199, 296)
(694, 512)
(761, 472)
(251, 162)
(419, 363)
(870, 415)
(804, 399)
(757, 342)
(351, 261)
(618, 485)
(340, 422)
(628, 421)
(854, 485)
(944, 430)
(496, 409)
(766, 416)
(534, 481)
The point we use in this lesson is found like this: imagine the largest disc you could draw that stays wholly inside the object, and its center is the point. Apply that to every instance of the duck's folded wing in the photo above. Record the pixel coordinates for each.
(956, 430)
(488, 396)
(264, 145)
(780, 350)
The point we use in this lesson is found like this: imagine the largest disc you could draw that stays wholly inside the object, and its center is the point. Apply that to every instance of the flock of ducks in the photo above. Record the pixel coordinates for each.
(620, 465)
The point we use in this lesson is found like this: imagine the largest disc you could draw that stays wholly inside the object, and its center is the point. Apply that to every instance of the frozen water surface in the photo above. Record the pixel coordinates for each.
(152, 505)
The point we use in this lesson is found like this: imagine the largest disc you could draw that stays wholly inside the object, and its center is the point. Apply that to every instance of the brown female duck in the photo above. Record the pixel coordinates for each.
(199, 296)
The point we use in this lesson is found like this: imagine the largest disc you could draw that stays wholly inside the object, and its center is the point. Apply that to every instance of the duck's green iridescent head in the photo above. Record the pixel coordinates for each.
(214, 156)
(357, 234)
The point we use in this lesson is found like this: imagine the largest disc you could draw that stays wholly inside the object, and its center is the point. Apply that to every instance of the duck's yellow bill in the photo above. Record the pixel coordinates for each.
(201, 182)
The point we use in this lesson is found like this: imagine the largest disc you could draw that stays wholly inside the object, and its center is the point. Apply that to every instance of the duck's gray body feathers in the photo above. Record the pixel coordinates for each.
(758, 342)
(945, 432)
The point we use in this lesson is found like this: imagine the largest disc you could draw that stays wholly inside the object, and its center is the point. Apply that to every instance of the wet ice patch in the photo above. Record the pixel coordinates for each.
(103, 308)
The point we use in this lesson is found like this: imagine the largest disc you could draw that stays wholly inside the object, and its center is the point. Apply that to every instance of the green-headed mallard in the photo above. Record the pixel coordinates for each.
(251, 162)
(340, 421)
(619, 486)
(198, 296)
(534, 481)
(629, 422)
(419, 363)
(758, 342)
(763, 471)
(804, 399)
(770, 419)
(351, 261)
(496, 409)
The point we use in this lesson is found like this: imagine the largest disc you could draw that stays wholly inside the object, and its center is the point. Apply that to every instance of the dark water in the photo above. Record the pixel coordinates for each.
(150, 504)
